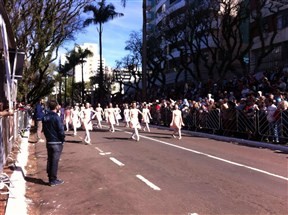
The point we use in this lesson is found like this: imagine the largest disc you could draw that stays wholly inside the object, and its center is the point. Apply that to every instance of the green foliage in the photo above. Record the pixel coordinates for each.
(40, 28)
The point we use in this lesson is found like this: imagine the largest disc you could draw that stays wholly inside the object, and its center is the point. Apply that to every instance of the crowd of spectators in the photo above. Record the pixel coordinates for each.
(264, 93)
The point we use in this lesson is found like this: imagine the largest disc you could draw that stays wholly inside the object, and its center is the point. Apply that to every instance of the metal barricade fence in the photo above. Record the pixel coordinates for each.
(234, 122)
(208, 120)
(5, 140)
(10, 129)
(273, 131)
(284, 125)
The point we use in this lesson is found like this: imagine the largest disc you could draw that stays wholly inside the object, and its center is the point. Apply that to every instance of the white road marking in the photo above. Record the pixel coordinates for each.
(99, 150)
(150, 184)
(105, 153)
(214, 157)
(116, 161)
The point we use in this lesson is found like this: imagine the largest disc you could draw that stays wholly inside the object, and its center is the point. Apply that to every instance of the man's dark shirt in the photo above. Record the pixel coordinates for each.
(53, 128)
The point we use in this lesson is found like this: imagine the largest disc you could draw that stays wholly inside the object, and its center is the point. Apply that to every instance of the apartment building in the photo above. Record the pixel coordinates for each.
(217, 51)
(273, 37)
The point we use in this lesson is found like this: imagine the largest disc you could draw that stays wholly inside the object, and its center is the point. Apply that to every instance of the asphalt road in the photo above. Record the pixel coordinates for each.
(162, 175)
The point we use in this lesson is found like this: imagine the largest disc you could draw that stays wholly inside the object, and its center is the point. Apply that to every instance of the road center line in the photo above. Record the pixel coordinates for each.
(105, 153)
(150, 184)
(99, 150)
(116, 161)
(216, 158)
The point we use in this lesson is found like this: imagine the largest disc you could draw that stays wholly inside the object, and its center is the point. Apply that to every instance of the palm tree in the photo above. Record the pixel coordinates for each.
(102, 13)
(75, 57)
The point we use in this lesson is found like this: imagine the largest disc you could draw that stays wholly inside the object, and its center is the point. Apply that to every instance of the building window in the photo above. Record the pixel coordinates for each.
(280, 22)
(285, 21)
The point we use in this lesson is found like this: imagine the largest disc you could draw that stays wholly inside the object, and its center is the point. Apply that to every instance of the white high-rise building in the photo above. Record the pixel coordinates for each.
(90, 66)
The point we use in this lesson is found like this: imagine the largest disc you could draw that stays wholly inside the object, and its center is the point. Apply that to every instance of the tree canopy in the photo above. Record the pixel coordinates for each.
(40, 28)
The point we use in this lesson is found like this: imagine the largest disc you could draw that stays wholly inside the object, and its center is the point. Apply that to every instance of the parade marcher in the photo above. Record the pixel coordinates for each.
(134, 121)
(117, 111)
(67, 117)
(87, 123)
(146, 117)
(126, 114)
(54, 133)
(176, 122)
(106, 113)
(75, 115)
(111, 117)
(99, 113)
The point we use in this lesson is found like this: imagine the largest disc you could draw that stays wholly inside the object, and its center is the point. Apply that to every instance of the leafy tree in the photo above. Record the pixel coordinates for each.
(144, 47)
(102, 13)
(128, 68)
(157, 61)
(40, 28)
(210, 36)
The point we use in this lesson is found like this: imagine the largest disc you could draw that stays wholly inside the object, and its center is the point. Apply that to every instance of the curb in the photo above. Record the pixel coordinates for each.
(17, 202)
(259, 144)
(241, 141)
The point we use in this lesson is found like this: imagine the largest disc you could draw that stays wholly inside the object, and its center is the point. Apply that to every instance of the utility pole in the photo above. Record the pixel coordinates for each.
(144, 54)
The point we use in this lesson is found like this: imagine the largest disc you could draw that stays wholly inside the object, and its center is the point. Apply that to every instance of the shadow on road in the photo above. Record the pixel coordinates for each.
(117, 138)
(35, 180)
(74, 141)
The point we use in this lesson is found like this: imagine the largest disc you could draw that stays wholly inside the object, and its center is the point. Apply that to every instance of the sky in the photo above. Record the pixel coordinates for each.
(115, 32)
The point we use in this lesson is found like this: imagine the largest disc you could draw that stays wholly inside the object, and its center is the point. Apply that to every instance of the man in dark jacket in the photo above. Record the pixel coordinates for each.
(54, 132)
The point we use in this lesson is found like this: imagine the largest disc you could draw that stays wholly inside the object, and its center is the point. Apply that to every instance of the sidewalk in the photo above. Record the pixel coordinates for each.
(20, 199)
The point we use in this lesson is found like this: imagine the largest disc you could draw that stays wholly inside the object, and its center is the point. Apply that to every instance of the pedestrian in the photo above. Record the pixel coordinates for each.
(38, 116)
(61, 112)
(55, 136)
(146, 117)
(176, 122)
(111, 117)
(87, 114)
(134, 121)
(273, 123)
(5, 113)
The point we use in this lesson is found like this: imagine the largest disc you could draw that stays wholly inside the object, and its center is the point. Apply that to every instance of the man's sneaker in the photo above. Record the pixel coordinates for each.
(56, 182)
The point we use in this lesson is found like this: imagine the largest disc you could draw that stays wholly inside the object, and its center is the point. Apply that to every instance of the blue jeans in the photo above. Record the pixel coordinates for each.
(54, 152)
(274, 130)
